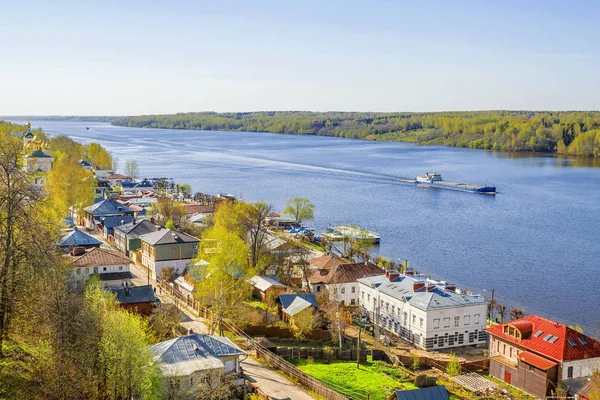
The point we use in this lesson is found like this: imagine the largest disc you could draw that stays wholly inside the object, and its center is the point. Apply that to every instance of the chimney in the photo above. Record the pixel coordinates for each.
(430, 287)
(391, 274)
(418, 285)
(126, 290)
(122, 222)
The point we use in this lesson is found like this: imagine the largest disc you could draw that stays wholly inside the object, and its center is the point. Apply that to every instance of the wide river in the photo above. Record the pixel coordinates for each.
(536, 242)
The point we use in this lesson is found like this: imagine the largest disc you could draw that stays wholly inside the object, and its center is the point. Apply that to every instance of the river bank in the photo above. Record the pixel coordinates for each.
(534, 239)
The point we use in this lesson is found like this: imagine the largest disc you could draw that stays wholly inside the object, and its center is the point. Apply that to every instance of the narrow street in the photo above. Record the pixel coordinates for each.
(268, 381)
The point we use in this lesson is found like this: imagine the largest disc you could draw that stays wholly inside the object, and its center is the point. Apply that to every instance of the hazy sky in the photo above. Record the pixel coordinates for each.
(139, 57)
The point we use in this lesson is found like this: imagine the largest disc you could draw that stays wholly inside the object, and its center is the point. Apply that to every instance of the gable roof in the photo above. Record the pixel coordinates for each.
(298, 305)
(287, 299)
(325, 262)
(111, 222)
(98, 257)
(189, 209)
(78, 238)
(568, 345)
(344, 273)
(168, 236)
(134, 230)
(263, 283)
(429, 393)
(185, 355)
(107, 208)
(134, 294)
(38, 154)
(116, 176)
(593, 386)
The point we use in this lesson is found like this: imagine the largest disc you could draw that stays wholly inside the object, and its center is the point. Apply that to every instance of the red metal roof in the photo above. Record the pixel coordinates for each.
(535, 360)
(561, 350)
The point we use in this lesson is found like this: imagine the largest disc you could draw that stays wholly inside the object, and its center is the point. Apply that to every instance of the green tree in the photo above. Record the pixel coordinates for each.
(124, 357)
(70, 187)
(303, 322)
(169, 224)
(453, 368)
(300, 208)
(163, 321)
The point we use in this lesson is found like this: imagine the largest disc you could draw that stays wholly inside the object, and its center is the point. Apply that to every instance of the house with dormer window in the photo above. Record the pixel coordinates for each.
(537, 355)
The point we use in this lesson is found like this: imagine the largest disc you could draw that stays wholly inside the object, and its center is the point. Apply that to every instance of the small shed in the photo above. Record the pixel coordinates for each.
(264, 286)
(138, 299)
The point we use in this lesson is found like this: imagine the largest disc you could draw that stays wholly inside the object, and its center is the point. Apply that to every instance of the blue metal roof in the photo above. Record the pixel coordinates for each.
(108, 207)
(287, 299)
(111, 222)
(429, 393)
(78, 238)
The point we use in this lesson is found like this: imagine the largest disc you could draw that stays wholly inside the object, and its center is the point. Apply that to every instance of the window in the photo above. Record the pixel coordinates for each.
(510, 352)
(343, 290)
(446, 322)
(381, 305)
(405, 318)
(583, 341)
(511, 331)
(95, 270)
(538, 334)
(436, 323)
(352, 301)
(393, 309)
(334, 290)
(387, 306)
(467, 319)
(476, 318)
(398, 313)
(504, 349)
(420, 322)
(368, 297)
(120, 268)
(78, 270)
(571, 342)
(570, 372)
(318, 288)
(363, 296)
(456, 321)
(353, 289)
(414, 319)
(103, 268)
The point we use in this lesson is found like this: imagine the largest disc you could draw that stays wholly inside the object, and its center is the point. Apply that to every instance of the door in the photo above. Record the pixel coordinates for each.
(507, 377)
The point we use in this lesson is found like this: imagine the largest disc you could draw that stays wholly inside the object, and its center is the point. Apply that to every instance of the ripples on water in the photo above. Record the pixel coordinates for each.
(536, 242)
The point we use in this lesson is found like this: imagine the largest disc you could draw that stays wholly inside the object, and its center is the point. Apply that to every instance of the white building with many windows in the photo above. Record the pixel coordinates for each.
(429, 314)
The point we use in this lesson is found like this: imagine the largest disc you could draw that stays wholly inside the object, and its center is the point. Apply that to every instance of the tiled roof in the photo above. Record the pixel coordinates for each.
(287, 299)
(134, 230)
(134, 294)
(568, 345)
(78, 238)
(185, 355)
(108, 207)
(98, 257)
(197, 209)
(264, 282)
(344, 273)
(325, 262)
(429, 393)
(537, 361)
(116, 176)
(168, 236)
(593, 386)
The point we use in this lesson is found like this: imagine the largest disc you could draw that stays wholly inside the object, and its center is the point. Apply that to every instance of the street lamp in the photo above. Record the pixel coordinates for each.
(363, 320)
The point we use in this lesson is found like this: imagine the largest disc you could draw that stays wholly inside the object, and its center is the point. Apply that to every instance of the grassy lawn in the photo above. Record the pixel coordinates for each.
(376, 378)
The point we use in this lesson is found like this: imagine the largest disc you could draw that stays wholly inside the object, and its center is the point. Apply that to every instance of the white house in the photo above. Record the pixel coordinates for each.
(111, 266)
(190, 359)
(427, 313)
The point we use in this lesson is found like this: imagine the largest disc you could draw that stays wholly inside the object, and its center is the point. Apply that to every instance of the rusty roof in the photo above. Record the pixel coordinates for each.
(327, 261)
(551, 339)
(193, 208)
(344, 273)
(98, 257)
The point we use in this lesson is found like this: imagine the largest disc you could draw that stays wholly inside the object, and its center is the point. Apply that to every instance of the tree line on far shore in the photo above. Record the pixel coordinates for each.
(567, 133)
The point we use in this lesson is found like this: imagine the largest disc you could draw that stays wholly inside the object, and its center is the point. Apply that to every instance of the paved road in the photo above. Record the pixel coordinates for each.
(271, 383)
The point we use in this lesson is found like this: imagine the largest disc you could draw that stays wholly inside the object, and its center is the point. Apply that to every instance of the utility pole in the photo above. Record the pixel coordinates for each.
(362, 320)
(490, 311)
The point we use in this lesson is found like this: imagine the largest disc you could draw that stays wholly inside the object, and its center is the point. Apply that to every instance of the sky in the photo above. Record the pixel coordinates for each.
(132, 57)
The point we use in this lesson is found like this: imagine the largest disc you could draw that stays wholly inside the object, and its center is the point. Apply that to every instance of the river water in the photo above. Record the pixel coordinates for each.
(536, 242)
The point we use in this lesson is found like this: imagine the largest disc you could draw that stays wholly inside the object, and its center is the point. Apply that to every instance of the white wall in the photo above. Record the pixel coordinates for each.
(344, 292)
(581, 368)
(157, 266)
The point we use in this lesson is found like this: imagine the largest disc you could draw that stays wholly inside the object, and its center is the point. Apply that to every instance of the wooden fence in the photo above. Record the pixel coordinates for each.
(395, 359)
(317, 353)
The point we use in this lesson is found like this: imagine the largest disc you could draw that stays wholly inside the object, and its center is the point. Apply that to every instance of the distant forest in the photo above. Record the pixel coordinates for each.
(569, 133)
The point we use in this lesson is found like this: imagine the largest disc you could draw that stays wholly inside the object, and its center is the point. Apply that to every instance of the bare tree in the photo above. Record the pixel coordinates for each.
(132, 169)
(516, 313)
(502, 310)
(255, 221)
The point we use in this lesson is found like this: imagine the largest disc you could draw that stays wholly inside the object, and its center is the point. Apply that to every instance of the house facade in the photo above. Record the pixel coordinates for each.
(429, 314)
(538, 355)
(105, 211)
(264, 286)
(112, 267)
(127, 236)
(167, 248)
